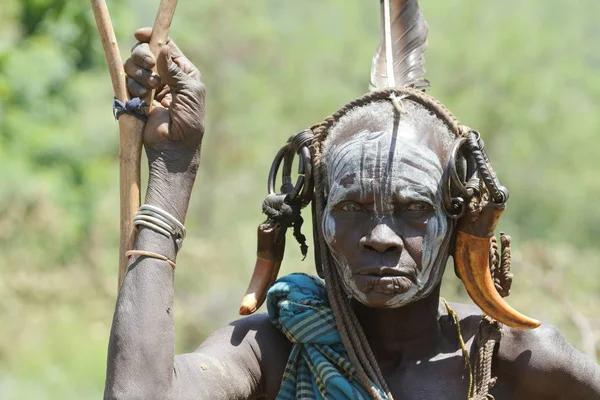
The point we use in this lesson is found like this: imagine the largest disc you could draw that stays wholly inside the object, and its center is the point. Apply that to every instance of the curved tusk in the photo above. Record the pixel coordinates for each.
(472, 264)
(269, 255)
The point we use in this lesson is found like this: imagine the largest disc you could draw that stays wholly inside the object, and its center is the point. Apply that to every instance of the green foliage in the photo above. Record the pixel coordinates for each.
(522, 73)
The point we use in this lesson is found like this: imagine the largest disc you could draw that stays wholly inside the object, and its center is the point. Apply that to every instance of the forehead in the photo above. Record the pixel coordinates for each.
(380, 146)
(381, 161)
(377, 119)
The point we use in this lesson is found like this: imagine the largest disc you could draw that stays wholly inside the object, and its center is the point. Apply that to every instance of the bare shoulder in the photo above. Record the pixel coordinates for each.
(255, 341)
(255, 330)
(256, 333)
(538, 345)
(541, 363)
(250, 349)
(536, 364)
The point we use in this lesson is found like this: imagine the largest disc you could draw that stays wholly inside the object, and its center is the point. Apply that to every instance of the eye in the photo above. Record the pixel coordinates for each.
(419, 206)
(350, 206)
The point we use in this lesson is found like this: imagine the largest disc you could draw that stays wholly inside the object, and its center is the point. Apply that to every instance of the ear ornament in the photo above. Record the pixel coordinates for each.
(283, 212)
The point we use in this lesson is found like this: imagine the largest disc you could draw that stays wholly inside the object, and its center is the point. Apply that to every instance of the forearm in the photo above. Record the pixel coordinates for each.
(141, 347)
(170, 181)
(142, 341)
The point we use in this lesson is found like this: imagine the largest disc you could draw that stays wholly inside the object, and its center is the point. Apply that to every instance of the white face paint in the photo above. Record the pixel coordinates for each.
(384, 222)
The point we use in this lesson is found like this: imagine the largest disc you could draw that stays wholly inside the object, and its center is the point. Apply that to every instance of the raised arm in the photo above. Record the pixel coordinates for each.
(141, 361)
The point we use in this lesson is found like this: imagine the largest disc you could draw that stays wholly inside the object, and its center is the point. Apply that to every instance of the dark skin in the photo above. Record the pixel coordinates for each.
(416, 344)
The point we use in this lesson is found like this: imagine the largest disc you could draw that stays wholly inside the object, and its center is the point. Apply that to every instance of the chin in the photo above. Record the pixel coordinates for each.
(376, 299)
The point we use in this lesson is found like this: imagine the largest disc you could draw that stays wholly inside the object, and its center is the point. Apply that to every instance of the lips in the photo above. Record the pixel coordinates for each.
(383, 280)
(383, 272)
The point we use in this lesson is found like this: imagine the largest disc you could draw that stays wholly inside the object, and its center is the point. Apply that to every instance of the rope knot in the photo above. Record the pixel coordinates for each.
(287, 215)
(133, 107)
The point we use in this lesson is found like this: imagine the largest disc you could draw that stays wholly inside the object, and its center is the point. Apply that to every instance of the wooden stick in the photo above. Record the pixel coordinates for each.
(130, 128)
(160, 34)
(111, 48)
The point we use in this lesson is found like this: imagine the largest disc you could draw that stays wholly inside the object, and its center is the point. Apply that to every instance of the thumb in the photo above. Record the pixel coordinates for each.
(169, 72)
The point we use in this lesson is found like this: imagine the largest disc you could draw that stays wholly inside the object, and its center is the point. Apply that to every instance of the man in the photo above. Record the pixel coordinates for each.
(399, 185)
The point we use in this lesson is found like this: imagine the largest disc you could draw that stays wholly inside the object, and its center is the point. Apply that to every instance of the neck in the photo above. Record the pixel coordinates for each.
(397, 332)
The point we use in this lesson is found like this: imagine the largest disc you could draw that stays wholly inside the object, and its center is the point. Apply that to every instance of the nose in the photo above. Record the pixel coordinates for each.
(382, 239)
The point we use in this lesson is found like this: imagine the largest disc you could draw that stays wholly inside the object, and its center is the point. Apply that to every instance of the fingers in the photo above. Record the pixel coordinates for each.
(164, 96)
(175, 71)
(166, 101)
(170, 73)
(135, 89)
(141, 75)
(161, 93)
(142, 56)
(143, 34)
(140, 78)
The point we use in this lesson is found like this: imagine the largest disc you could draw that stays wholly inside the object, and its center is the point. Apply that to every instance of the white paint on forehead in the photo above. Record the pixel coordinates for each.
(386, 154)
(378, 117)
(388, 167)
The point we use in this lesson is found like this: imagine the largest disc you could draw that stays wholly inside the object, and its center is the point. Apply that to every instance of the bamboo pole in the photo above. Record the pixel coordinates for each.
(130, 128)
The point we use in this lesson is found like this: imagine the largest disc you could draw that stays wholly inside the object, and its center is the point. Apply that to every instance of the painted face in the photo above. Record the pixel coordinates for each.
(384, 221)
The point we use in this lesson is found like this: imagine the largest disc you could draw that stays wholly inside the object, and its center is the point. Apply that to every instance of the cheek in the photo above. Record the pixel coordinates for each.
(437, 231)
(329, 229)
(341, 234)
(414, 247)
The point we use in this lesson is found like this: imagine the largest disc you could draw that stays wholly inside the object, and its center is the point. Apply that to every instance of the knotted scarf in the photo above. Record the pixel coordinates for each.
(318, 366)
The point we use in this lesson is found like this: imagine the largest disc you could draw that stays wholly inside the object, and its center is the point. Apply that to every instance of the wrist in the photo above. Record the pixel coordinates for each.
(171, 179)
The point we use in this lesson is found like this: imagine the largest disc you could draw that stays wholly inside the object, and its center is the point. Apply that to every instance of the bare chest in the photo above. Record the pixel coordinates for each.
(441, 377)
(444, 377)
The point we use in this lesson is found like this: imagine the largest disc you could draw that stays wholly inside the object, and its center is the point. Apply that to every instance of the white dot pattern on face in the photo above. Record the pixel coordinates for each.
(389, 162)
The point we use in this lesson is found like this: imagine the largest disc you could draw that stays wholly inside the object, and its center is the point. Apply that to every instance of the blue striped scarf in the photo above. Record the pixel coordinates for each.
(318, 366)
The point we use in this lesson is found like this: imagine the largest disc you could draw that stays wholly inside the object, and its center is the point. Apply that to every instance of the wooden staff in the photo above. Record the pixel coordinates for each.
(130, 127)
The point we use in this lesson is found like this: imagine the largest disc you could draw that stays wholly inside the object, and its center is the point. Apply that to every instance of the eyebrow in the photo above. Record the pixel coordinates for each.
(406, 194)
(415, 193)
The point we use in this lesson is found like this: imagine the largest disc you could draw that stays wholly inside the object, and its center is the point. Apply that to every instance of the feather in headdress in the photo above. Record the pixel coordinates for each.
(399, 60)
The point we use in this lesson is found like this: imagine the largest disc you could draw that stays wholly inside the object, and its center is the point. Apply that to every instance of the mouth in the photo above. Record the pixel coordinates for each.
(379, 272)
(384, 280)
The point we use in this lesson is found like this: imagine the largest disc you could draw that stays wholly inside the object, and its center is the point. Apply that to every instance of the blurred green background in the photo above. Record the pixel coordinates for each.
(526, 74)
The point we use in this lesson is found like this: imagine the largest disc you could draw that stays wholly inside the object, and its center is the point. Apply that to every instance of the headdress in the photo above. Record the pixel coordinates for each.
(473, 199)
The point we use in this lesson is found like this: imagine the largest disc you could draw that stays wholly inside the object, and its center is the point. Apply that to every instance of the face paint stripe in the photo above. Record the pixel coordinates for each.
(378, 181)
(363, 155)
(388, 175)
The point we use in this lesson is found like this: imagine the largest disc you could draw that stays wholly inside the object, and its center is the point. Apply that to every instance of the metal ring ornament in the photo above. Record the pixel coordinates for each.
(456, 192)
(498, 192)
(297, 145)
(275, 168)
(456, 180)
